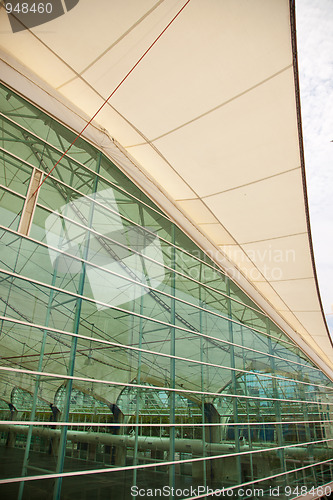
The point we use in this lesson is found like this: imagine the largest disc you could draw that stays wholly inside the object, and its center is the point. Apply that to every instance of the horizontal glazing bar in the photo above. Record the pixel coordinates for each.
(19, 195)
(158, 388)
(161, 354)
(154, 320)
(152, 424)
(160, 464)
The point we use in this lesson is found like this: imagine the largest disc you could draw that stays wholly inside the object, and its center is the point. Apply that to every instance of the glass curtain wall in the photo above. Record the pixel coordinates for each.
(129, 361)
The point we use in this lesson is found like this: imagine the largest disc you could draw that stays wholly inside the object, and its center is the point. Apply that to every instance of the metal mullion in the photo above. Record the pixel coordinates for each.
(277, 406)
(248, 414)
(69, 385)
(172, 396)
(138, 394)
(234, 389)
(203, 417)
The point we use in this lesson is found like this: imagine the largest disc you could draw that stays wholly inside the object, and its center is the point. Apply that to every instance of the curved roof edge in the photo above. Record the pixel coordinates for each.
(301, 147)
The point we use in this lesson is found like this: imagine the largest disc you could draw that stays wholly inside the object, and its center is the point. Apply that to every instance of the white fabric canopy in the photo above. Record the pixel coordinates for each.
(207, 124)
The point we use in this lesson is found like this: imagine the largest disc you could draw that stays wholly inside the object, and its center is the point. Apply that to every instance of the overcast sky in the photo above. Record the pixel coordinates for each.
(314, 20)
